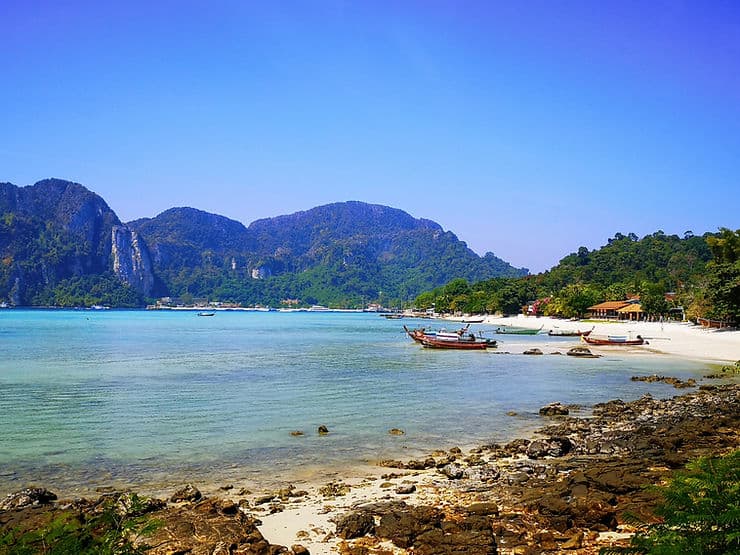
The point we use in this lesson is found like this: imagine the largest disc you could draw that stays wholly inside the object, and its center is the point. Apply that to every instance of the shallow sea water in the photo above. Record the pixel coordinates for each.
(153, 398)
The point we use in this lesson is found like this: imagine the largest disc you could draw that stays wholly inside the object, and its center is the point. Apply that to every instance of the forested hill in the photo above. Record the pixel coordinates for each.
(57, 237)
(62, 245)
(700, 274)
(343, 254)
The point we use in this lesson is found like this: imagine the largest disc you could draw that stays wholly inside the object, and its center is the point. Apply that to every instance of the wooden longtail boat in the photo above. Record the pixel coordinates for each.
(464, 344)
(569, 333)
(518, 331)
(613, 340)
(419, 334)
(450, 339)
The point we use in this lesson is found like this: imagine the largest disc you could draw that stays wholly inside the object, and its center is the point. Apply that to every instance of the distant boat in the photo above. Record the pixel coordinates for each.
(613, 340)
(206, 314)
(473, 320)
(393, 316)
(568, 333)
(318, 308)
(512, 330)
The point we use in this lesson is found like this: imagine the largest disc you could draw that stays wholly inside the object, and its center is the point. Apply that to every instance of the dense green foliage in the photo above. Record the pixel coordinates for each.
(55, 247)
(700, 512)
(114, 530)
(343, 254)
(701, 273)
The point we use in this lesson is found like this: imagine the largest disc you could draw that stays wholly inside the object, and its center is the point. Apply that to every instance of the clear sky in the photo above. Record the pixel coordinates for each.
(526, 128)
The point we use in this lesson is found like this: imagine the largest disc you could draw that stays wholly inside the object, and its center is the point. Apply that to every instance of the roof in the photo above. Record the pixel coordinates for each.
(630, 308)
(608, 305)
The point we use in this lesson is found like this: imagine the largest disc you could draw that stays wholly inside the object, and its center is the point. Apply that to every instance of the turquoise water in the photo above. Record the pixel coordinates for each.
(89, 398)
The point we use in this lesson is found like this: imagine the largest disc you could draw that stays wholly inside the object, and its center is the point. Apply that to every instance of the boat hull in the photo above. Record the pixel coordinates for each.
(560, 333)
(618, 342)
(461, 345)
(518, 331)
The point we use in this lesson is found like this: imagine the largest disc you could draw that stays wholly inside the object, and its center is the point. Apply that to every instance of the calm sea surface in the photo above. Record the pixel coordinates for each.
(98, 398)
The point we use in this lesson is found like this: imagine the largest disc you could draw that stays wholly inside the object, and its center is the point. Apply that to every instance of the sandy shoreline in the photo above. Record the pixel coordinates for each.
(671, 338)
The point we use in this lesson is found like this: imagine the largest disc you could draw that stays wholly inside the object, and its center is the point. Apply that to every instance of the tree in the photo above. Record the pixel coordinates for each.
(652, 299)
(723, 275)
(700, 512)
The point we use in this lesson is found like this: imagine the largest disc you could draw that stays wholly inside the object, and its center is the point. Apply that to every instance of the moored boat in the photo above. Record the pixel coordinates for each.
(206, 314)
(419, 334)
(461, 344)
(557, 332)
(513, 330)
(621, 340)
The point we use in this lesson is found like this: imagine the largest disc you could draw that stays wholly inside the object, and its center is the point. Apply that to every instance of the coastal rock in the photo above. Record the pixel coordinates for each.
(405, 489)
(426, 531)
(132, 504)
(534, 351)
(334, 489)
(204, 529)
(420, 465)
(29, 497)
(396, 432)
(187, 493)
(323, 430)
(355, 525)
(453, 471)
(554, 409)
(675, 382)
(551, 447)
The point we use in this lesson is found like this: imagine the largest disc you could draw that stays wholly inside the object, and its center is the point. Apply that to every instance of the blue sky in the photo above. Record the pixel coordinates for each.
(527, 128)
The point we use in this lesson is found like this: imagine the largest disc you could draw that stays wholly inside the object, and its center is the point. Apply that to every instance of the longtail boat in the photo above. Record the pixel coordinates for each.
(512, 330)
(569, 333)
(419, 334)
(463, 344)
(620, 340)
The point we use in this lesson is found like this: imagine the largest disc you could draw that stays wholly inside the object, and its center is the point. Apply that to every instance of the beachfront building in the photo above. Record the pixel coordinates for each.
(606, 310)
(632, 311)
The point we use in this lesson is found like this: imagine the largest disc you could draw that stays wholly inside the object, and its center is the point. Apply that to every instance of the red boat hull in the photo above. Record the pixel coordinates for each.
(459, 345)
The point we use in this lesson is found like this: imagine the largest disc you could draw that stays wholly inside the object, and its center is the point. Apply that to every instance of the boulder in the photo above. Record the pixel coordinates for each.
(29, 497)
(355, 525)
(187, 493)
(554, 409)
(550, 447)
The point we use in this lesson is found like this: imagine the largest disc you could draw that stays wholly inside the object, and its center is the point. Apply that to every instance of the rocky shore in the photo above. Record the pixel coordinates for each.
(565, 490)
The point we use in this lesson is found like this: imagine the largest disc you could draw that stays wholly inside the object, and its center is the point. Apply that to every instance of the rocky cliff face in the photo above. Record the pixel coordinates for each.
(56, 230)
(131, 261)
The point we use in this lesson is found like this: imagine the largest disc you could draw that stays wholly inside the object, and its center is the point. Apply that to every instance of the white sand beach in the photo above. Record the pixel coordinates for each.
(671, 338)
